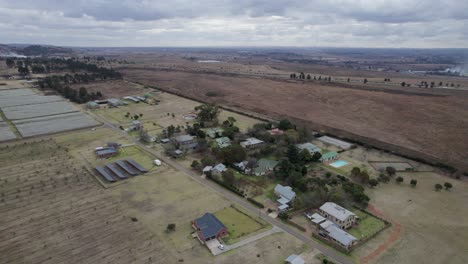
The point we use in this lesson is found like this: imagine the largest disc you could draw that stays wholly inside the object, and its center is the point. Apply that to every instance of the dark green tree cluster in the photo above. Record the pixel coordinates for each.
(56, 83)
(207, 112)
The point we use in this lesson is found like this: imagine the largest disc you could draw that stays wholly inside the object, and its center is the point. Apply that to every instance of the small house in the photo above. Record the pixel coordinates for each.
(310, 147)
(276, 132)
(219, 169)
(251, 143)
(104, 153)
(92, 105)
(186, 142)
(294, 259)
(285, 196)
(223, 142)
(214, 132)
(329, 156)
(209, 227)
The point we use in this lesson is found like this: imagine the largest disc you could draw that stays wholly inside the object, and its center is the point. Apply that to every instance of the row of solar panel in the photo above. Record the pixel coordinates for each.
(113, 171)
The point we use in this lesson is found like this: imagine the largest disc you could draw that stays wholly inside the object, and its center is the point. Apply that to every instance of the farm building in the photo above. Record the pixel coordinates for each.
(251, 143)
(223, 142)
(338, 215)
(309, 146)
(329, 156)
(336, 142)
(286, 196)
(209, 227)
(337, 235)
(104, 153)
(186, 142)
(294, 259)
(115, 102)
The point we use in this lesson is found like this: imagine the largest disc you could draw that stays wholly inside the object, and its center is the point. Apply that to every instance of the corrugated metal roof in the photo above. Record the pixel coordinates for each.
(336, 211)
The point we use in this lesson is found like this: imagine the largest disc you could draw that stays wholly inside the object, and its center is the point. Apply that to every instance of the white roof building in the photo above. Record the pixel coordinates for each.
(294, 259)
(251, 142)
(336, 211)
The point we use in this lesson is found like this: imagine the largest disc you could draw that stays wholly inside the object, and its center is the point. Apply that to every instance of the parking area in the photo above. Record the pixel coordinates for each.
(213, 246)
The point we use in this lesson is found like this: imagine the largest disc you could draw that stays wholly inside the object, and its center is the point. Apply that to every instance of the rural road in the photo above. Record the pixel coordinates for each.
(329, 252)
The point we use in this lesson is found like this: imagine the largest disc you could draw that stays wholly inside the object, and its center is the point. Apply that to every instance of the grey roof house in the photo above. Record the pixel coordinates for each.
(294, 259)
(223, 142)
(309, 146)
(286, 195)
(338, 215)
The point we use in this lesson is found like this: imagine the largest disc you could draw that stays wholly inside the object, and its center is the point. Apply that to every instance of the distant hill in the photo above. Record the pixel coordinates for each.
(32, 50)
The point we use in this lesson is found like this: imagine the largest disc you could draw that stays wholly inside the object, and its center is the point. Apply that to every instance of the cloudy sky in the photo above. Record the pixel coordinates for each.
(310, 23)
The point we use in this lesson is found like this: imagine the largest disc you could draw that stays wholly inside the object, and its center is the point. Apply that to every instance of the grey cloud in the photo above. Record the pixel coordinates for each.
(236, 22)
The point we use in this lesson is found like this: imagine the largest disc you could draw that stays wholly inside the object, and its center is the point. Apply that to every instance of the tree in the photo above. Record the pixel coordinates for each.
(413, 182)
(365, 80)
(308, 77)
(171, 227)
(136, 117)
(293, 154)
(390, 171)
(83, 92)
(316, 157)
(403, 84)
(285, 124)
(305, 156)
(232, 154)
(207, 112)
(283, 216)
(195, 164)
(399, 179)
(10, 62)
(438, 187)
(228, 177)
(448, 185)
(355, 172)
(348, 80)
(23, 70)
(373, 182)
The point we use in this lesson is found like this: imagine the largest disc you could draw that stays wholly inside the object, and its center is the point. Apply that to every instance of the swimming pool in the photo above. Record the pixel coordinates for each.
(339, 163)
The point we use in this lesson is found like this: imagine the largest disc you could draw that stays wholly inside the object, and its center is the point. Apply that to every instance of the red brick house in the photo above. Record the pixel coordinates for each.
(209, 227)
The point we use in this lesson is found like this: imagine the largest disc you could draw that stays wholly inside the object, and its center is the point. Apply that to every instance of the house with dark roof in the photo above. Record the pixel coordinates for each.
(186, 142)
(209, 227)
(104, 153)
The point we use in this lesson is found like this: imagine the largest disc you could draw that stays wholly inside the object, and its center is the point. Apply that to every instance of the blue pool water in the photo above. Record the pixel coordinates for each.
(338, 163)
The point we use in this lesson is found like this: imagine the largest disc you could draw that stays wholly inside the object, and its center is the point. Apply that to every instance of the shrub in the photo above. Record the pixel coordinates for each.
(256, 203)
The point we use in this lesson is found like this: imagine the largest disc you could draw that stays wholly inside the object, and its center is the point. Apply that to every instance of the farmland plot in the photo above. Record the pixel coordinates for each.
(38, 110)
(52, 211)
(53, 124)
(5, 132)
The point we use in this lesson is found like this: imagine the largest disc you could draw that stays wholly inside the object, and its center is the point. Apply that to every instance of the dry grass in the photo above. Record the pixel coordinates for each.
(399, 116)
(432, 223)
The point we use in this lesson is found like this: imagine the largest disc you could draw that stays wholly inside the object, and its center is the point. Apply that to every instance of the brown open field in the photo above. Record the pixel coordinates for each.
(113, 89)
(433, 123)
(432, 225)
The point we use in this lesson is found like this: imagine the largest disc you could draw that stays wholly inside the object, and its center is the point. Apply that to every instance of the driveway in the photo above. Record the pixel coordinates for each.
(248, 240)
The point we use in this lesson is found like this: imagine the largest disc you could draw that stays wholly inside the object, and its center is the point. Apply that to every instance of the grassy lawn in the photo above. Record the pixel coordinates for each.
(238, 223)
(368, 225)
